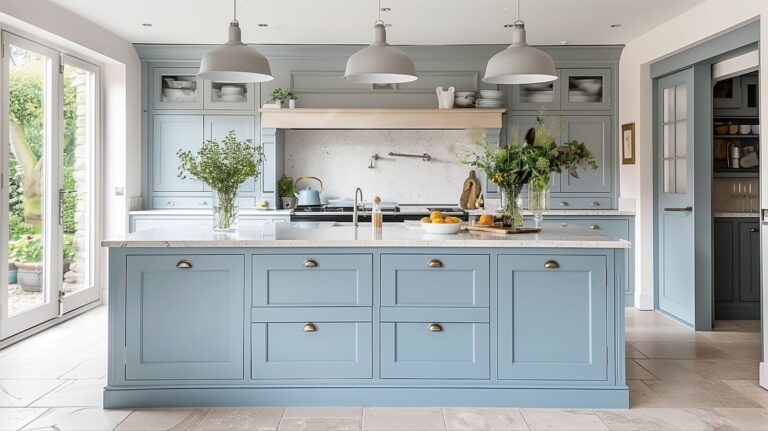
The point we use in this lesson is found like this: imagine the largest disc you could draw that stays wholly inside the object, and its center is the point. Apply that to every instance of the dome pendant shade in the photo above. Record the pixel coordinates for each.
(380, 63)
(520, 63)
(235, 61)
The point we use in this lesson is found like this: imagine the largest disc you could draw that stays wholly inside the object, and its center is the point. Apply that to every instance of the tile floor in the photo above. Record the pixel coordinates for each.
(678, 379)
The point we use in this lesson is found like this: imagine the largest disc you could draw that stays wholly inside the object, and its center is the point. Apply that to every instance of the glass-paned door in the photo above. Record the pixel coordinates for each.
(79, 133)
(29, 294)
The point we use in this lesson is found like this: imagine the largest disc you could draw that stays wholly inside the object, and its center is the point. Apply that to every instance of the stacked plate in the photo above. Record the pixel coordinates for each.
(491, 99)
(232, 93)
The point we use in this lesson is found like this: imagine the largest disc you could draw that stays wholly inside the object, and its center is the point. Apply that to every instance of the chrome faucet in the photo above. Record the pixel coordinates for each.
(358, 192)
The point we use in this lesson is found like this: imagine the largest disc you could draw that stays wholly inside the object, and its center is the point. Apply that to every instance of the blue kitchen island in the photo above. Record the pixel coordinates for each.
(328, 314)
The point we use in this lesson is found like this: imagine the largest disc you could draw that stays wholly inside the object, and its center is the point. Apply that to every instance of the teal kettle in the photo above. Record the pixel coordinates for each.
(308, 197)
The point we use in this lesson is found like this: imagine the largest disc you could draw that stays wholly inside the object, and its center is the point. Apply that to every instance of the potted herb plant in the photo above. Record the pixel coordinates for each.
(292, 100)
(279, 95)
(28, 256)
(224, 167)
(286, 189)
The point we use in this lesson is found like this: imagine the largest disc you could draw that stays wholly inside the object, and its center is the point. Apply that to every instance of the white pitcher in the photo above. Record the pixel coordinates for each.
(445, 98)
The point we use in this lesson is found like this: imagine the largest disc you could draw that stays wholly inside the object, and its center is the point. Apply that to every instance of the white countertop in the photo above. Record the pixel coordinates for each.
(330, 234)
(735, 215)
(208, 212)
(560, 213)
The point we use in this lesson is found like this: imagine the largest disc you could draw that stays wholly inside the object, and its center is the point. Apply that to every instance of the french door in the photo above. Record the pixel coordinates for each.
(49, 131)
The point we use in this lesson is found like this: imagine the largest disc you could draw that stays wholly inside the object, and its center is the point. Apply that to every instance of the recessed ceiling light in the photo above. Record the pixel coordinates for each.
(563, 42)
(146, 24)
(386, 9)
(263, 25)
(508, 25)
(615, 25)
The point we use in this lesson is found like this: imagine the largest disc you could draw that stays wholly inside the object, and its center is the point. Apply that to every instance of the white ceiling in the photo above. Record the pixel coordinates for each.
(428, 22)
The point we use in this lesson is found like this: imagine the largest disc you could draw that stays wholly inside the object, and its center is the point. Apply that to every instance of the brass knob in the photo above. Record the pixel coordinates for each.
(309, 327)
(310, 263)
(435, 327)
(183, 264)
(564, 203)
(595, 203)
(551, 264)
(594, 226)
(435, 263)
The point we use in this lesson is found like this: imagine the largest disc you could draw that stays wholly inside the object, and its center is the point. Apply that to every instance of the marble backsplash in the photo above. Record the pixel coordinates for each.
(340, 158)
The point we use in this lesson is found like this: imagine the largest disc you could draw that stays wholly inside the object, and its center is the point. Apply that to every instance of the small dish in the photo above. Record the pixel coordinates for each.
(744, 129)
(491, 94)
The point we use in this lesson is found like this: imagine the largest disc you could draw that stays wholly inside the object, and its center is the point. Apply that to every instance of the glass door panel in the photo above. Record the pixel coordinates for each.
(30, 296)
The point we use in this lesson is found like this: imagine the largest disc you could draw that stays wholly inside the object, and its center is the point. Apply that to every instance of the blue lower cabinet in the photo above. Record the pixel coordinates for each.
(552, 317)
(435, 344)
(428, 280)
(312, 280)
(286, 346)
(190, 302)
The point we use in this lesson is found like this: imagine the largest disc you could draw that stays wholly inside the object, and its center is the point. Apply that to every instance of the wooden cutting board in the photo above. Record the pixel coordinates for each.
(502, 230)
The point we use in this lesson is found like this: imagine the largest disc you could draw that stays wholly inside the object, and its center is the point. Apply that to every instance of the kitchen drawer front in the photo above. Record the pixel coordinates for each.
(428, 280)
(196, 202)
(614, 228)
(290, 348)
(435, 344)
(312, 280)
(553, 319)
(571, 203)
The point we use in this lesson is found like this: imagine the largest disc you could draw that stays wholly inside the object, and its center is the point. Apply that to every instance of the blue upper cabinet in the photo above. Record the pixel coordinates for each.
(585, 89)
(172, 133)
(533, 97)
(552, 317)
(193, 303)
(176, 88)
(595, 133)
(230, 96)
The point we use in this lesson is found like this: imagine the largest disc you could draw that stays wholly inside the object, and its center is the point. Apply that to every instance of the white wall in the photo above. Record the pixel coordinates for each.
(698, 24)
(121, 95)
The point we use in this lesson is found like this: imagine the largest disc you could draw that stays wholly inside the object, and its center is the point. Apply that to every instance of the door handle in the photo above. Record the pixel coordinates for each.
(680, 210)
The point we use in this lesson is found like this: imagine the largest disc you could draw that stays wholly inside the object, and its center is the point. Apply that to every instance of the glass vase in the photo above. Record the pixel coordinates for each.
(225, 212)
(538, 202)
(511, 212)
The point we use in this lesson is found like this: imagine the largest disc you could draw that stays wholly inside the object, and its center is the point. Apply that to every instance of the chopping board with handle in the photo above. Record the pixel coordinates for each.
(470, 191)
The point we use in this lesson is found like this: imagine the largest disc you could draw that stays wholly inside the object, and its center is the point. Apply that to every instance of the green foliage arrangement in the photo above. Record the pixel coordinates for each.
(280, 94)
(224, 167)
(286, 187)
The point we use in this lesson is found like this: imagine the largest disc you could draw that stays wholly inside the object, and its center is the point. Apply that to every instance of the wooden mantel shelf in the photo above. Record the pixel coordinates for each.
(440, 119)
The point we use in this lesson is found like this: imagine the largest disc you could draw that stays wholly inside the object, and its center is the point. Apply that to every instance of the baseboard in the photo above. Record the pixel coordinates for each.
(764, 374)
(644, 301)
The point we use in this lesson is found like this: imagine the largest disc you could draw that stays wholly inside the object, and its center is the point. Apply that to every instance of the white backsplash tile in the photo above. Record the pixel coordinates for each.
(340, 158)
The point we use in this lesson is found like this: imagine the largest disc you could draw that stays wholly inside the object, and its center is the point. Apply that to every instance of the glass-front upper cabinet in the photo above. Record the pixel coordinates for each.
(220, 95)
(176, 88)
(536, 96)
(585, 89)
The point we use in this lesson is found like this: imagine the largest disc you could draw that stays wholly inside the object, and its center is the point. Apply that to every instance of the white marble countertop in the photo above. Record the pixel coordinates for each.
(561, 213)
(735, 215)
(207, 212)
(331, 234)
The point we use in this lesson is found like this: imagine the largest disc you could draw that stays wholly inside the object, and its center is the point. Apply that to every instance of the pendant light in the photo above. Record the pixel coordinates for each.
(380, 63)
(235, 61)
(520, 63)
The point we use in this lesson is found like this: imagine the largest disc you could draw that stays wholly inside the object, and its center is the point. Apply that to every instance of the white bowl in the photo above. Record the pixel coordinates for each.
(744, 129)
(178, 92)
(755, 129)
(441, 228)
(491, 94)
(232, 89)
(464, 94)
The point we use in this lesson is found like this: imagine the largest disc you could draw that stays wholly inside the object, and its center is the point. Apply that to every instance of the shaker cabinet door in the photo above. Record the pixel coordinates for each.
(595, 133)
(552, 317)
(749, 261)
(189, 323)
(172, 133)
(218, 126)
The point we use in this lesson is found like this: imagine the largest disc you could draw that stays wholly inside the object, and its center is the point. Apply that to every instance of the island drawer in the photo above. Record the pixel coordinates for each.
(312, 280)
(311, 344)
(435, 344)
(614, 228)
(429, 280)
(577, 203)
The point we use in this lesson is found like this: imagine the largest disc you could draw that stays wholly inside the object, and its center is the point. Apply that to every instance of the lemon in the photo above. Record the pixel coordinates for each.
(426, 220)
(436, 215)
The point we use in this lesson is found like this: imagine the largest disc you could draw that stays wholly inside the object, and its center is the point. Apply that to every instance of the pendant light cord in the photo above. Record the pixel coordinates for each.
(518, 13)
(235, 10)
(379, 20)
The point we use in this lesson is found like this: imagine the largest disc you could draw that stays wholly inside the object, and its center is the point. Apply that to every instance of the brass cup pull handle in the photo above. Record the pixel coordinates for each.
(184, 264)
(551, 264)
(435, 327)
(595, 203)
(309, 327)
(564, 203)
(594, 226)
(435, 263)
(310, 263)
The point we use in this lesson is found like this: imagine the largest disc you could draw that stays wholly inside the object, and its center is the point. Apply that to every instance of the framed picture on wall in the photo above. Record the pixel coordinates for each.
(628, 144)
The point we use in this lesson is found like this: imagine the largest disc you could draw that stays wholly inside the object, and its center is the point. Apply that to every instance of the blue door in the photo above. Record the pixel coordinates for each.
(674, 190)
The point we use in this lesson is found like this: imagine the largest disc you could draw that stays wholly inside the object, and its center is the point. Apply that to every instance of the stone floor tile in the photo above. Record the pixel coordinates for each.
(78, 419)
(12, 419)
(90, 369)
(676, 350)
(668, 369)
(406, 419)
(562, 420)
(633, 353)
(242, 418)
(38, 368)
(163, 419)
(321, 424)
(663, 419)
(723, 369)
(636, 372)
(746, 419)
(492, 419)
(74, 393)
(22, 392)
(750, 389)
(323, 412)
(731, 337)
(740, 350)
(704, 394)
(640, 395)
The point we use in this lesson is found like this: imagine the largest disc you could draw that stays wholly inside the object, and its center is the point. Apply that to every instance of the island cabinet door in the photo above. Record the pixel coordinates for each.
(184, 317)
(428, 280)
(312, 280)
(552, 317)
